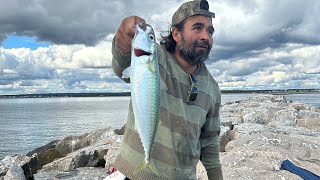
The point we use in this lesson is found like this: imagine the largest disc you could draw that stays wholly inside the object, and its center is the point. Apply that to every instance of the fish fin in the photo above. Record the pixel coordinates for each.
(135, 126)
(150, 165)
(126, 73)
(151, 66)
(153, 169)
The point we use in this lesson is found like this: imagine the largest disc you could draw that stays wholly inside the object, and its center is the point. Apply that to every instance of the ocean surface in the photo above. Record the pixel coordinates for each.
(28, 123)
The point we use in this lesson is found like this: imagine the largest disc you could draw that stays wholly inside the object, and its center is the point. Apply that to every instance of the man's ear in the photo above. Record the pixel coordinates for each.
(176, 34)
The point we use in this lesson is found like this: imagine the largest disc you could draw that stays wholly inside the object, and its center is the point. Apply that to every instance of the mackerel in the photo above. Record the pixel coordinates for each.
(145, 90)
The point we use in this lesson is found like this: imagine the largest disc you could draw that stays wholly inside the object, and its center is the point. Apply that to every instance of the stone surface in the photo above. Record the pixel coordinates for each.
(267, 130)
(92, 156)
(15, 173)
(86, 173)
(43, 155)
(120, 131)
(14, 160)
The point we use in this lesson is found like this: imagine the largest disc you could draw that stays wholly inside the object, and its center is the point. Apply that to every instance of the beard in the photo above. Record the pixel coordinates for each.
(189, 52)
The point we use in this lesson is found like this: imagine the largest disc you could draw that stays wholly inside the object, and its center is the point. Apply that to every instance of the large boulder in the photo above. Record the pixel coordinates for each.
(96, 149)
(15, 173)
(309, 119)
(60, 148)
(72, 143)
(91, 156)
(11, 161)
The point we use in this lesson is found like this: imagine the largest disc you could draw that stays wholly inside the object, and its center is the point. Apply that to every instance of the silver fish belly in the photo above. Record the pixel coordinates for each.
(145, 90)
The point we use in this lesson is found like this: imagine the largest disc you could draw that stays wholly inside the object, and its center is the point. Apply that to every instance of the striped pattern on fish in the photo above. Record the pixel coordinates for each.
(145, 89)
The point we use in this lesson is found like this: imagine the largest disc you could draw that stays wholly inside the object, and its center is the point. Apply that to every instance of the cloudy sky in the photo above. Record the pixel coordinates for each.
(65, 46)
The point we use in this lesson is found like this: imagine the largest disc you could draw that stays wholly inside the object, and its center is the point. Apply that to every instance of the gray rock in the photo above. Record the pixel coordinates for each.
(120, 131)
(15, 173)
(12, 160)
(43, 155)
(38, 150)
(284, 117)
(94, 149)
(60, 148)
(91, 156)
(299, 106)
(86, 173)
(311, 123)
(113, 151)
(5, 165)
(224, 137)
(267, 130)
(73, 143)
(257, 109)
(309, 114)
(260, 155)
(309, 119)
(258, 116)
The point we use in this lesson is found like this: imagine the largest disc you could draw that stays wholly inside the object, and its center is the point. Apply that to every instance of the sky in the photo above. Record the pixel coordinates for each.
(65, 46)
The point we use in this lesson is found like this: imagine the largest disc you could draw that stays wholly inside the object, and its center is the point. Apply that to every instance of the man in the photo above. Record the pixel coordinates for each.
(189, 123)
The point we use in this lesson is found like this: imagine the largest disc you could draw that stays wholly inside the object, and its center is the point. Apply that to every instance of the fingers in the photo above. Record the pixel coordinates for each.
(126, 33)
(138, 20)
(132, 22)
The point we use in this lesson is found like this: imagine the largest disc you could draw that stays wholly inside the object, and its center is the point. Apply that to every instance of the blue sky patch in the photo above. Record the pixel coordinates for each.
(22, 41)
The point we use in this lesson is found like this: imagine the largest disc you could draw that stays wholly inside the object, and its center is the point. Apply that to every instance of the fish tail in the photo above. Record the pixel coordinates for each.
(150, 165)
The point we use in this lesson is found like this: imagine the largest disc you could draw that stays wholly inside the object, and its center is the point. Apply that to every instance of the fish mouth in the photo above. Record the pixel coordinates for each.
(139, 52)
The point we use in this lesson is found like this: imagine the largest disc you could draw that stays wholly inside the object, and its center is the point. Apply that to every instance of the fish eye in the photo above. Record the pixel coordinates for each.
(151, 37)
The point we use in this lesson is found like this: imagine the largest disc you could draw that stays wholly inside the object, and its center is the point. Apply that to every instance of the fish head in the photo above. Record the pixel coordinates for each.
(143, 43)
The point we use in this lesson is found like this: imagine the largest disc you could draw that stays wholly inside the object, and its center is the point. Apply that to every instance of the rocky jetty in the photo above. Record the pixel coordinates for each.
(257, 134)
(265, 130)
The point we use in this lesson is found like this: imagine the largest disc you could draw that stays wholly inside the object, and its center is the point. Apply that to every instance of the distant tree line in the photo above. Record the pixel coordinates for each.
(48, 95)
(66, 95)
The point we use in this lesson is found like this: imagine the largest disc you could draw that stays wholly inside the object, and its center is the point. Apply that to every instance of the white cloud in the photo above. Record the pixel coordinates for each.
(293, 66)
(59, 68)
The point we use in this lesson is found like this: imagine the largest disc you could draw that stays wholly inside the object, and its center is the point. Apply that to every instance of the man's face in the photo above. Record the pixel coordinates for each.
(196, 39)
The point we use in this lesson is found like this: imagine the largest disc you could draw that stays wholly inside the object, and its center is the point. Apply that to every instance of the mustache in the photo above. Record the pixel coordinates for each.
(203, 43)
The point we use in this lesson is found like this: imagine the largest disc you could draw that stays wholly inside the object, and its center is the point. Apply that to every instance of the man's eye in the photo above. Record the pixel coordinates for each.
(211, 31)
(197, 28)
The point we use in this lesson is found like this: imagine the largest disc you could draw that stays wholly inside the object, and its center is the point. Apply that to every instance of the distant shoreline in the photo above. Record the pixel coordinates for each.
(111, 94)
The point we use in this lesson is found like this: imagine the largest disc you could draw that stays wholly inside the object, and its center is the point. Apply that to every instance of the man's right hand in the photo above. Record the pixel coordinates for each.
(126, 33)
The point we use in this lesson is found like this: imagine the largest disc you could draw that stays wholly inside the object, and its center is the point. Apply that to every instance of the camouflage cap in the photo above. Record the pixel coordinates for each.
(191, 8)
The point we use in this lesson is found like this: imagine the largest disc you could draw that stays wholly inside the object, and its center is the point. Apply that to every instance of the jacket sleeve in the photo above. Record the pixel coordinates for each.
(210, 147)
(120, 61)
